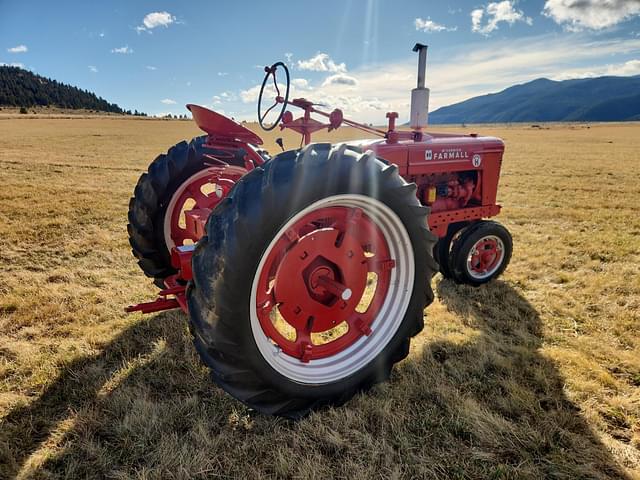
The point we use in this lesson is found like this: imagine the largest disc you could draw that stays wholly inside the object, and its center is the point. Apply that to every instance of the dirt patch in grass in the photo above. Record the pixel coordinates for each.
(536, 375)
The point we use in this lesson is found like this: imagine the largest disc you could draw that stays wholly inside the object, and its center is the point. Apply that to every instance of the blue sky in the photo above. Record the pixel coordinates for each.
(156, 56)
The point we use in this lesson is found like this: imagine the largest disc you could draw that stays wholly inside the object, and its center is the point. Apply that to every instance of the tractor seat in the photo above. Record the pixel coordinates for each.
(221, 127)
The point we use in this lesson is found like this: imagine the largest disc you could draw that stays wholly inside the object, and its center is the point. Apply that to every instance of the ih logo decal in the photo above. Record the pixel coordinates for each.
(476, 161)
(428, 155)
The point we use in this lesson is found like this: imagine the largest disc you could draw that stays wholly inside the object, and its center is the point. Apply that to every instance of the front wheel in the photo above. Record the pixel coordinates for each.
(442, 249)
(312, 278)
(480, 253)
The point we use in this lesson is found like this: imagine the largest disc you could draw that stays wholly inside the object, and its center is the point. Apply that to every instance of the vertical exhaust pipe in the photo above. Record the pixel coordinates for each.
(420, 95)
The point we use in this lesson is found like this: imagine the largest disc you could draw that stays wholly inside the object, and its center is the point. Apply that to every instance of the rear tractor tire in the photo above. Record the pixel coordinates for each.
(312, 279)
(480, 253)
(175, 181)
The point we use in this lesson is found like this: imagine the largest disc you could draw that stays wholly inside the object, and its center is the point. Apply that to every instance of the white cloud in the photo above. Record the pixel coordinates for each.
(340, 79)
(101, 34)
(494, 13)
(300, 82)
(151, 67)
(632, 67)
(321, 62)
(93, 69)
(299, 87)
(155, 19)
(12, 64)
(168, 101)
(18, 49)
(124, 50)
(628, 68)
(216, 100)
(590, 14)
(223, 74)
(476, 18)
(430, 26)
(251, 94)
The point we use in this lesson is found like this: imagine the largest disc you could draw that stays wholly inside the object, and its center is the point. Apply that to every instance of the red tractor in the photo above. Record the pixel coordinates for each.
(306, 274)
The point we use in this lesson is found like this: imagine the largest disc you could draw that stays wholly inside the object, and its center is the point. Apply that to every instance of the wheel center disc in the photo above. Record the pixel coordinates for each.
(485, 257)
(324, 281)
(321, 280)
(204, 189)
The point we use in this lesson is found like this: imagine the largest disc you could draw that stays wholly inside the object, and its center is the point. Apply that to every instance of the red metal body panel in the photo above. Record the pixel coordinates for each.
(437, 154)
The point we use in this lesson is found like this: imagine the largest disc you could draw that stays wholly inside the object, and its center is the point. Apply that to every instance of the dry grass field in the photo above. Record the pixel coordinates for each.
(533, 376)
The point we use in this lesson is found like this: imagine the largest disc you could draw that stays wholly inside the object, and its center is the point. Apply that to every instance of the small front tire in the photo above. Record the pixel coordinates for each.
(442, 249)
(480, 253)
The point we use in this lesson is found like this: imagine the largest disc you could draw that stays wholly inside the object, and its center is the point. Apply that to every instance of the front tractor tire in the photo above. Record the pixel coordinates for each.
(442, 249)
(480, 253)
(312, 278)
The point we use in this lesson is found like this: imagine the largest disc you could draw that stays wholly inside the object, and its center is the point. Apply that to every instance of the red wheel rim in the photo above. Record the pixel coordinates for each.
(203, 190)
(485, 257)
(314, 279)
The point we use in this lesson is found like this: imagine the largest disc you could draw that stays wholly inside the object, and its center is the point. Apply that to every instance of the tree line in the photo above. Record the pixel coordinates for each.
(21, 88)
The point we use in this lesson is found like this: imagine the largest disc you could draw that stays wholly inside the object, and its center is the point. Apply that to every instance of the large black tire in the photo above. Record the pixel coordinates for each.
(227, 258)
(442, 249)
(151, 197)
(463, 244)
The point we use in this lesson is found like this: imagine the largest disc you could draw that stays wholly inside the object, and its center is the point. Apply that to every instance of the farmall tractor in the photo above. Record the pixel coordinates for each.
(305, 274)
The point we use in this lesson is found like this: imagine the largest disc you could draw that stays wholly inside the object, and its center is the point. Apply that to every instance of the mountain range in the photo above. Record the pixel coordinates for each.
(600, 99)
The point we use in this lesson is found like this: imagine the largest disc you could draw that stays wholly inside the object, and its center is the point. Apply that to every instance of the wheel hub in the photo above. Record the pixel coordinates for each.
(485, 257)
(323, 281)
(320, 280)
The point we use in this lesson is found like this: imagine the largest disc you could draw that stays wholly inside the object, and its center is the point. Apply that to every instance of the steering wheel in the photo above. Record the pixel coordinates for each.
(270, 72)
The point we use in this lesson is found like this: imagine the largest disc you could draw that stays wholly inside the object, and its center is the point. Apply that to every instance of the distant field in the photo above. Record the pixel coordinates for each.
(536, 375)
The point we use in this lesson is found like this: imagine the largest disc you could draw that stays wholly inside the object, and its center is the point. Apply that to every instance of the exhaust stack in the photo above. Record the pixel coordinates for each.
(420, 95)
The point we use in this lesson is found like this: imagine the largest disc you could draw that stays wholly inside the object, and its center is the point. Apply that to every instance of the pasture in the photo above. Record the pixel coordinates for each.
(535, 375)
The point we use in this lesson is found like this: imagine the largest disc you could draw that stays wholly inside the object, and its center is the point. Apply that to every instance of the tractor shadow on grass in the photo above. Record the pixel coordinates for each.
(149, 359)
(488, 406)
(508, 398)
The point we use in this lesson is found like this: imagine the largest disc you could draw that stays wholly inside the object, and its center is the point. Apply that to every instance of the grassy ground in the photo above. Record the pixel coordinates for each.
(536, 375)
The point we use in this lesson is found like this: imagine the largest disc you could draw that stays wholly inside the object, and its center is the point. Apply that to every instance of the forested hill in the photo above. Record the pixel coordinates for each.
(22, 88)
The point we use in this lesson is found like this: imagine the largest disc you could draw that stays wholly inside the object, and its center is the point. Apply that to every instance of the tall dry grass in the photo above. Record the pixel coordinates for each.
(535, 375)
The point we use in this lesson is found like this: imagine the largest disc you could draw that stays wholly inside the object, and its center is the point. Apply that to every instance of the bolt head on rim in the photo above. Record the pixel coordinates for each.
(485, 257)
(315, 276)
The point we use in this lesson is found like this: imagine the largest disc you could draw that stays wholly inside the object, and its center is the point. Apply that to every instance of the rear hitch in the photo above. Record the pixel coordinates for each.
(174, 295)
